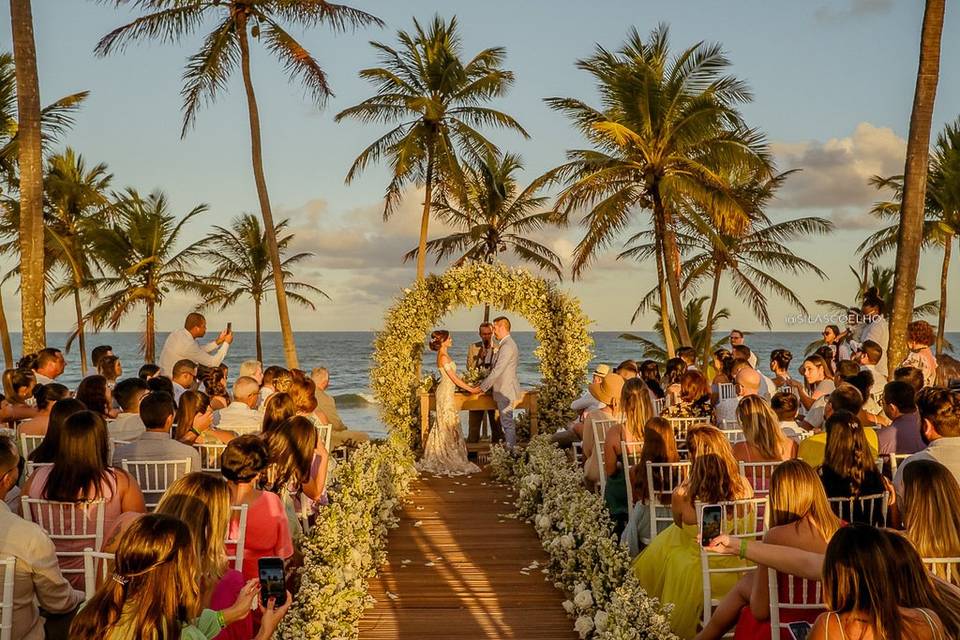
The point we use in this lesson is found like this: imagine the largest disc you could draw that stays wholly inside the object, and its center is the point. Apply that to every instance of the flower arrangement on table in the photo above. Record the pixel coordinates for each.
(606, 600)
(474, 376)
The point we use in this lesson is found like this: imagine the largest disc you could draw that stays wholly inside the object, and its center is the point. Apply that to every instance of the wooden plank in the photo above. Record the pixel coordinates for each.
(458, 568)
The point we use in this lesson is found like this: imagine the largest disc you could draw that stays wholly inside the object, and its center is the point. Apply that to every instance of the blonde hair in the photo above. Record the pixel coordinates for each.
(714, 472)
(761, 427)
(796, 492)
(931, 511)
(202, 501)
(635, 408)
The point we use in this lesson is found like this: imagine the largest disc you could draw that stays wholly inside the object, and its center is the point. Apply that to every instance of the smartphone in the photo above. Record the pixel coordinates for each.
(799, 630)
(229, 327)
(711, 518)
(272, 584)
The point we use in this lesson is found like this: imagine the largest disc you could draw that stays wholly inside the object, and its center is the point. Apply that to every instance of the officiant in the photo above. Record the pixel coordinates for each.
(480, 356)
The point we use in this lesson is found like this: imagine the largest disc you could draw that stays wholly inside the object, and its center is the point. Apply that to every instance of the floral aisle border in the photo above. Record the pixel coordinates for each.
(575, 529)
(560, 324)
(348, 542)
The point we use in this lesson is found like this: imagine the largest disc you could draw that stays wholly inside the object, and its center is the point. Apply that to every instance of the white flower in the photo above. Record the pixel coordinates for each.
(543, 522)
(583, 626)
(568, 606)
(567, 541)
(600, 620)
(584, 599)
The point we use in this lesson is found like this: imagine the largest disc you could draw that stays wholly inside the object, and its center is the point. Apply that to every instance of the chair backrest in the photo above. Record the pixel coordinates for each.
(896, 459)
(69, 524)
(733, 436)
(239, 512)
(741, 519)
(758, 475)
(668, 476)
(210, 453)
(29, 443)
(870, 509)
(799, 594)
(630, 455)
(7, 568)
(681, 426)
(31, 467)
(324, 434)
(787, 389)
(96, 569)
(577, 453)
(945, 568)
(154, 476)
(727, 390)
(600, 428)
(659, 405)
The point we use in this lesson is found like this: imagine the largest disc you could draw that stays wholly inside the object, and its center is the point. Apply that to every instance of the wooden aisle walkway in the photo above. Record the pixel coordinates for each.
(459, 569)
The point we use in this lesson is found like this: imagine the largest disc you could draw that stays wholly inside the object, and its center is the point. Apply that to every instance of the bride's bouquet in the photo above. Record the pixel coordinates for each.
(474, 376)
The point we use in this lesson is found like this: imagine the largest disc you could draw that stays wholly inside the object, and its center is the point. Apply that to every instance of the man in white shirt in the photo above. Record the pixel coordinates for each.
(184, 378)
(50, 364)
(128, 425)
(37, 579)
(940, 427)
(252, 369)
(182, 345)
(240, 415)
(747, 380)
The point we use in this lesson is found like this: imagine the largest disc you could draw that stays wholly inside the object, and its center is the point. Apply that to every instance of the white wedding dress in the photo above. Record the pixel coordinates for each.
(445, 452)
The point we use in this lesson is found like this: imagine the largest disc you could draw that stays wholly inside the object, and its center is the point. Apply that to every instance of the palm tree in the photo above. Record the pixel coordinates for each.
(208, 72)
(436, 100)
(696, 328)
(668, 131)
(910, 237)
(882, 279)
(242, 267)
(141, 263)
(494, 216)
(941, 224)
(76, 205)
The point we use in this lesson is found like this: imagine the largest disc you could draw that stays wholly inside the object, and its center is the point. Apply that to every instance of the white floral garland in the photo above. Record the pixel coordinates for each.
(561, 330)
(607, 601)
(348, 542)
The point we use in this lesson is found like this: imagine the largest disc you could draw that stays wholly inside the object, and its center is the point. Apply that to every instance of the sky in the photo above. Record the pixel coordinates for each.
(832, 81)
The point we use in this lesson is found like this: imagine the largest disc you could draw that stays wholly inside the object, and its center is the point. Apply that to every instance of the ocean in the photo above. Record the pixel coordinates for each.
(348, 357)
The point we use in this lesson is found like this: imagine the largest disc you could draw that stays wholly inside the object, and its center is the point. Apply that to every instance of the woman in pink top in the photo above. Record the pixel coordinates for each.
(81, 472)
(46, 396)
(268, 532)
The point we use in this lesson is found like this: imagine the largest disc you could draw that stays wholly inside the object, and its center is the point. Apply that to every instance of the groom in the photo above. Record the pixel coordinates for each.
(502, 379)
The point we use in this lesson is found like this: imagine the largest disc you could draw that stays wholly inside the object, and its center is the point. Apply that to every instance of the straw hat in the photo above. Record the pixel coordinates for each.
(608, 390)
(602, 370)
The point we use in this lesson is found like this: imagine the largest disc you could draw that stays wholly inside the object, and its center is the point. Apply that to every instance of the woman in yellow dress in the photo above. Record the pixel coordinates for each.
(669, 568)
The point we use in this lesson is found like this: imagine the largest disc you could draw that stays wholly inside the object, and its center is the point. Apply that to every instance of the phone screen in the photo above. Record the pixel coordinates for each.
(799, 630)
(711, 519)
(271, 580)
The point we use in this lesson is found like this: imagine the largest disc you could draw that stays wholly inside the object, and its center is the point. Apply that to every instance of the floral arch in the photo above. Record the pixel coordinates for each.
(564, 347)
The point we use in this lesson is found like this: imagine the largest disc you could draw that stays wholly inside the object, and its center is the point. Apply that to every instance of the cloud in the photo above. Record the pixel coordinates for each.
(855, 9)
(834, 174)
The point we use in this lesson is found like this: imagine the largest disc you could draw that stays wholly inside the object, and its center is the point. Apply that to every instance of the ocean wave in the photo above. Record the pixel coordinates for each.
(355, 400)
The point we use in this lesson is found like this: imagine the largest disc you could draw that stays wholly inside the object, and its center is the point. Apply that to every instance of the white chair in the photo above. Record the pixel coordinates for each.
(210, 453)
(944, 568)
(896, 459)
(69, 524)
(741, 519)
(727, 390)
(600, 428)
(239, 512)
(31, 467)
(325, 433)
(659, 405)
(7, 566)
(733, 435)
(96, 570)
(28, 444)
(154, 476)
(729, 425)
(630, 456)
(577, 453)
(758, 475)
(801, 595)
(681, 426)
(787, 389)
(663, 478)
(870, 509)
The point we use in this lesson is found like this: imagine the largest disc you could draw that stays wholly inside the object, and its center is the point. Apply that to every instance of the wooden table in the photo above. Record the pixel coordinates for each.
(476, 402)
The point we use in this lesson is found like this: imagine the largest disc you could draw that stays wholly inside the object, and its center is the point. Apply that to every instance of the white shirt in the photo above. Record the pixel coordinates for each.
(879, 332)
(127, 427)
(946, 451)
(586, 402)
(181, 345)
(767, 387)
(266, 392)
(42, 379)
(238, 417)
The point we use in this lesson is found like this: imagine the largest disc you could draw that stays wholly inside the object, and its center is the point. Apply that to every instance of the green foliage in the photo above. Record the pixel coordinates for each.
(881, 279)
(696, 317)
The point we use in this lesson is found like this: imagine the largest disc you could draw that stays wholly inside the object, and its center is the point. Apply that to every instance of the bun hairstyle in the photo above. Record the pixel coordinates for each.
(437, 338)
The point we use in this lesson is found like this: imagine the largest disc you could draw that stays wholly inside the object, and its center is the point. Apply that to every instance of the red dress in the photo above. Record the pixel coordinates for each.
(749, 628)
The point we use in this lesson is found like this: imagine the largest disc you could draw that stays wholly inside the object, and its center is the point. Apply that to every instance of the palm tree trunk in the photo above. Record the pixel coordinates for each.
(32, 285)
(425, 218)
(672, 267)
(486, 313)
(909, 235)
(664, 314)
(944, 272)
(5, 336)
(256, 311)
(256, 149)
(81, 338)
(708, 328)
(150, 334)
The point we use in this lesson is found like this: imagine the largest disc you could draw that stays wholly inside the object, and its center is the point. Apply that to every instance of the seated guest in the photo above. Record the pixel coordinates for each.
(81, 472)
(900, 405)
(669, 568)
(184, 377)
(650, 374)
(49, 365)
(608, 392)
(627, 370)
(688, 355)
(582, 406)
(871, 413)
(786, 406)
(767, 387)
(128, 424)
(252, 369)
(659, 445)
(160, 383)
(818, 384)
(99, 353)
(868, 357)
(37, 581)
(722, 360)
(910, 375)
(268, 530)
(940, 420)
(764, 440)
(296, 471)
(111, 369)
(920, 335)
(931, 517)
(194, 421)
(46, 396)
(672, 373)
(46, 451)
(849, 468)
(94, 393)
(780, 360)
(266, 385)
(153, 591)
(636, 411)
(303, 392)
(214, 381)
(694, 398)
(18, 387)
(747, 383)
(328, 406)
(148, 371)
(844, 398)
(156, 411)
(240, 415)
(278, 408)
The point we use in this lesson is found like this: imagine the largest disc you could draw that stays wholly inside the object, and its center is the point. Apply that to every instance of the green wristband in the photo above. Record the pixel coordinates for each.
(743, 548)
(221, 620)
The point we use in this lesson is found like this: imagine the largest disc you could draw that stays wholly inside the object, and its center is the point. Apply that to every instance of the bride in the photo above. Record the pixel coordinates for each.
(445, 452)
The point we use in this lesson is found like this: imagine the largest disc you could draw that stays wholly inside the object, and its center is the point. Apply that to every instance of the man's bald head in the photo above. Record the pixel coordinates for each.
(748, 381)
